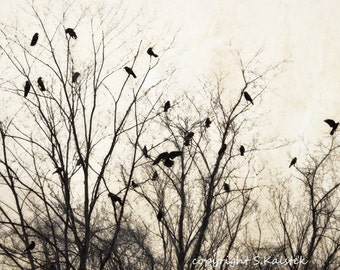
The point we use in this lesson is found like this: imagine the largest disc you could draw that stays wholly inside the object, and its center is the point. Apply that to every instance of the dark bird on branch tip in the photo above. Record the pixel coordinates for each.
(226, 187)
(222, 149)
(166, 106)
(160, 215)
(34, 39)
(134, 184)
(27, 88)
(151, 53)
(161, 156)
(30, 246)
(130, 72)
(248, 97)
(75, 77)
(168, 162)
(332, 124)
(174, 154)
(154, 176)
(114, 198)
(207, 122)
(41, 84)
(145, 151)
(293, 162)
(188, 137)
(71, 32)
(58, 170)
(242, 150)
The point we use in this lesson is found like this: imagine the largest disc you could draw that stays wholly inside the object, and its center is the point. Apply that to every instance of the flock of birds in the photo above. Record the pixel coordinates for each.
(166, 157)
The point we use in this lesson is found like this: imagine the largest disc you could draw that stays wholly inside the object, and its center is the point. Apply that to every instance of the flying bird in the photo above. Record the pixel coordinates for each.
(293, 162)
(151, 53)
(154, 176)
(145, 151)
(160, 215)
(30, 246)
(332, 124)
(248, 97)
(222, 149)
(161, 156)
(174, 154)
(71, 32)
(114, 198)
(34, 39)
(41, 84)
(75, 76)
(226, 187)
(166, 106)
(130, 72)
(207, 122)
(242, 150)
(27, 88)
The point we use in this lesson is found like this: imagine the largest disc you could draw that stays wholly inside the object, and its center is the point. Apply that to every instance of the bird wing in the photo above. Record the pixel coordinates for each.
(174, 154)
(330, 122)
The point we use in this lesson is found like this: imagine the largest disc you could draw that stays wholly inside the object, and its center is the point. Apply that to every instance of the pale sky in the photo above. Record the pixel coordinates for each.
(306, 32)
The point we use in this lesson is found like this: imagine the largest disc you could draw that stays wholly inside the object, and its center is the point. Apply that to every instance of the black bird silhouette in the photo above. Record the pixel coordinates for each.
(34, 39)
(293, 162)
(151, 53)
(41, 84)
(145, 151)
(75, 77)
(30, 246)
(130, 72)
(160, 215)
(248, 97)
(161, 156)
(71, 32)
(332, 124)
(166, 106)
(226, 187)
(114, 198)
(27, 88)
(242, 150)
(134, 184)
(188, 137)
(222, 149)
(207, 122)
(168, 162)
(154, 176)
(174, 154)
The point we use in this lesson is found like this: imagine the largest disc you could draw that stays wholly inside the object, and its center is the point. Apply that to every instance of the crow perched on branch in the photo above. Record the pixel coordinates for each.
(151, 53)
(75, 77)
(114, 198)
(207, 122)
(248, 97)
(30, 246)
(130, 72)
(166, 106)
(188, 137)
(160, 215)
(222, 149)
(71, 32)
(34, 39)
(27, 88)
(154, 176)
(332, 124)
(145, 151)
(41, 84)
(242, 150)
(226, 187)
(293, 162)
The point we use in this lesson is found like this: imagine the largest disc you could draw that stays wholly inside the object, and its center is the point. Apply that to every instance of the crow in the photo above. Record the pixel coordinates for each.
(27, 88)
(222, 149)
(293, 162)
(75, 76)
(34, 39)
(168, 162)
(332, 124)
(248, 97)
(30, 246)
(174, 154)
(114, 198)
(71, 32)
(151, 53)
(154, 176)
(226, 187)
(130, 72)
(242, 150)
(41, 84)
(161, 156)
(166, 106)
(207, 122)
(145, 151)
(188, 137)
(160, 215)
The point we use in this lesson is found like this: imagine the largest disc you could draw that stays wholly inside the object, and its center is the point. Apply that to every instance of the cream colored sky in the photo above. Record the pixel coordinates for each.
(307, 32)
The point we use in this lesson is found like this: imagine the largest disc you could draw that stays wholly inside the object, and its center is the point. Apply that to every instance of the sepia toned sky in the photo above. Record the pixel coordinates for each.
(305, 33)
